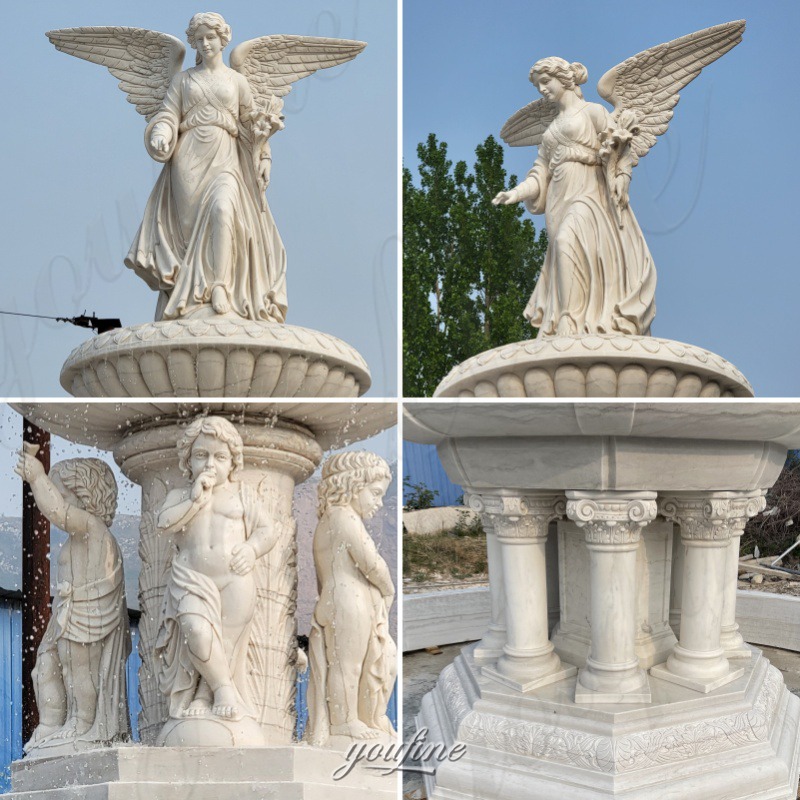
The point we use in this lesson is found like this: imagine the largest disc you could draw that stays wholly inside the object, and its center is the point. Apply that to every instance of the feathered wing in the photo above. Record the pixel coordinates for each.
(648, 83)
(144, 61)
(272, 64)
(527, 126)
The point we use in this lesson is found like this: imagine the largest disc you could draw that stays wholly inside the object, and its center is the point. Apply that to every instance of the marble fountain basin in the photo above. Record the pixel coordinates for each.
(607, 445)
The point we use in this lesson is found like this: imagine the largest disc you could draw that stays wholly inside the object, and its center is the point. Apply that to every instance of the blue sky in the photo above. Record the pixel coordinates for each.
(716, 197)
(76, 178)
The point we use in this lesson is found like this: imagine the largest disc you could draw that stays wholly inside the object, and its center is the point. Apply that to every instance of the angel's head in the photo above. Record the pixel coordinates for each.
(358, 479)
(89, 484)
(211, 444)
(208, 34)
(547, 71)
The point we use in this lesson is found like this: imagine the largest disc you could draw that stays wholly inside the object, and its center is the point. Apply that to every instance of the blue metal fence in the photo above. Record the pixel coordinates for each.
(11, 689)
(421, 465)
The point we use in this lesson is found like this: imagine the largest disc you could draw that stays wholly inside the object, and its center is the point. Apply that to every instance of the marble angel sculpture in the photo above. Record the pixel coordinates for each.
(208, 241)
(220, 530)
(598, 275)
(79, 677)
(352, 656)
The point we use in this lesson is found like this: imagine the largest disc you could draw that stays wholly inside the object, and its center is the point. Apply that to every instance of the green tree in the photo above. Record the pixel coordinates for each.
(468, 266)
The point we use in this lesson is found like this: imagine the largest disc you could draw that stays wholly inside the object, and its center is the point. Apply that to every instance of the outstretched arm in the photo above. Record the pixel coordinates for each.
(531, 190)
(68, 517)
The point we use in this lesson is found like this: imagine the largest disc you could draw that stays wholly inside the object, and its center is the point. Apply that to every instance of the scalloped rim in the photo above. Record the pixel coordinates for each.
(223, 334)
(616, 350)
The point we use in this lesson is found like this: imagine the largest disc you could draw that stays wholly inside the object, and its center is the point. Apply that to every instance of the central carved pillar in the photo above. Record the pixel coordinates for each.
(612, 523)
(708, 522)
(277, 455)
(521, 523)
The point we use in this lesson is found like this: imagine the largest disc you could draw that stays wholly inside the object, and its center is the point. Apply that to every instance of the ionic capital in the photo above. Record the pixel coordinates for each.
(712, 516)
(518, 516)
(611, 518)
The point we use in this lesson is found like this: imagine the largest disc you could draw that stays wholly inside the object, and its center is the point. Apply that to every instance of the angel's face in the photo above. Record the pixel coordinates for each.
(550, 87)
(207, 42)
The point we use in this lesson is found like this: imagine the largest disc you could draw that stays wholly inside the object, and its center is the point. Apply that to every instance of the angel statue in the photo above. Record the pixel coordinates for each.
(208, 243)
(598, 275)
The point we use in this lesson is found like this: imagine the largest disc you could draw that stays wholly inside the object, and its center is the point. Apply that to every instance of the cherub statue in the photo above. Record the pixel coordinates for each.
(208, 240)
(220, 531)
(352, 656)
(79, 677)
(598, 275)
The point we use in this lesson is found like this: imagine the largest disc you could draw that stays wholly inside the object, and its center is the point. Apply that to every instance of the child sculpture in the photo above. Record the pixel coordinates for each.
(220, 532)
(79, 677)
(353, 658)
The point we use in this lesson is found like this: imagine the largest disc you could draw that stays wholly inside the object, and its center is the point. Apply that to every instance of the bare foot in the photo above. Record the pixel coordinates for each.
(356, 729)
(219, 300)
(72, 728)
(226, 703)
(197, 708)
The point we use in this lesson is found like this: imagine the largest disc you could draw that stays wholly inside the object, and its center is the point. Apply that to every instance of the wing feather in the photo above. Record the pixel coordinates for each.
(272, 64)
(527, 126)
(144, 61)
(649, 82)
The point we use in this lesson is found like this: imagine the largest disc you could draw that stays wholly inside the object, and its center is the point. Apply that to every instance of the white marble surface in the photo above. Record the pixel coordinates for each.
(598, 274)
(79, 677)
(173, 773)
(597, 365)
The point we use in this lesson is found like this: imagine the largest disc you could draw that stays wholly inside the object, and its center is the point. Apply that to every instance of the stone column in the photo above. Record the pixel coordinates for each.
(731, 640)
(521, 524)
(676, 586)
(612, 523)
(277, 455)
(490, 647)
(707, 521)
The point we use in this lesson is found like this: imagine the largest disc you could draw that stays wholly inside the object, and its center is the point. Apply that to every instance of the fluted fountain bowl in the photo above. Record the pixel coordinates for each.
(215, 357)
(595, 365)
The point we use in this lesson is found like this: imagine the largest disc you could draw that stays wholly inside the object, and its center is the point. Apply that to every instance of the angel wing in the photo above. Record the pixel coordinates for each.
(144, 61)
(648, 83)
(272, 64)
(527, 126)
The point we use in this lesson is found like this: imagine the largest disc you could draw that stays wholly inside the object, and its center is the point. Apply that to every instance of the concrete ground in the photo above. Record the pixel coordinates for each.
(421, 669)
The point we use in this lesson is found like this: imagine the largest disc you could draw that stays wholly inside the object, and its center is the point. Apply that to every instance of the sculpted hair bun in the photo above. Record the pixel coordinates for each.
(579, 73)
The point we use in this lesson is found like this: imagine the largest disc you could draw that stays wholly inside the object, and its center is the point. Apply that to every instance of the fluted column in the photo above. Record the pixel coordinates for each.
(490, 647)
(521, 523)
(731, 640)
(707, 521)
(612, 523)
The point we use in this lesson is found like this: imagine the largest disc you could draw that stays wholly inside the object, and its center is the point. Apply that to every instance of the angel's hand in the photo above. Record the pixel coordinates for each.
(244, 559)
(506, 198)
(29, 468)
(159, 143)
(264, 171)
(621, 184)
(201, 490)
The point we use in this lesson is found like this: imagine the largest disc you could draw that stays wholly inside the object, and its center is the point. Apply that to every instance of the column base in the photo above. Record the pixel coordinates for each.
(702, 672)
(490, 648)
(734, 645)
(565, 671)
(661, 672)
(639, 694)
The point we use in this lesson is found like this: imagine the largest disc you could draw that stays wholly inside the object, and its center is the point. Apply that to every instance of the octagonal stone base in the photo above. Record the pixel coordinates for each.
(739, 742)
(215, 357)
(609, 365)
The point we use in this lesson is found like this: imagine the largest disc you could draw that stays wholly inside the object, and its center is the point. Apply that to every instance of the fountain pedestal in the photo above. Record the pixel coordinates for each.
(673, 719)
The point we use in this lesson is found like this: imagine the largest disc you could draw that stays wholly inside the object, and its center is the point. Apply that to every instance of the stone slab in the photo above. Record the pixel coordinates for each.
(553, 677)
(168, 773)
(660, 671)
